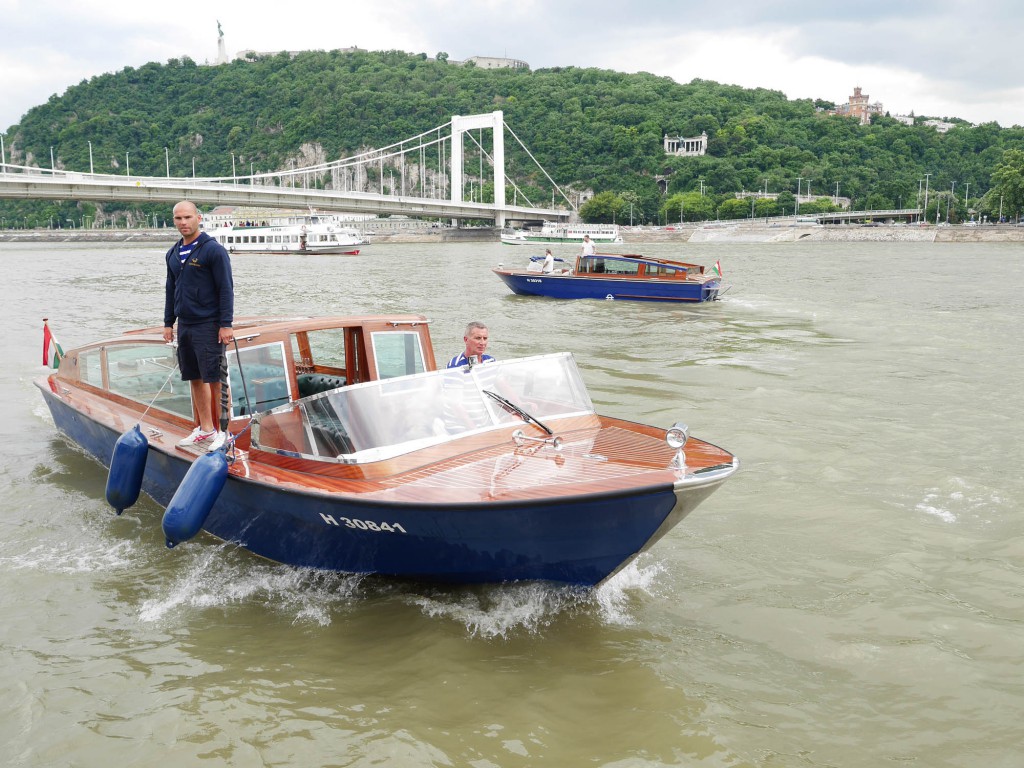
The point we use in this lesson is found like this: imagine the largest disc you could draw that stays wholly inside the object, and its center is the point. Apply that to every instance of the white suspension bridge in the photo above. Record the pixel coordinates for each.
(423, 176)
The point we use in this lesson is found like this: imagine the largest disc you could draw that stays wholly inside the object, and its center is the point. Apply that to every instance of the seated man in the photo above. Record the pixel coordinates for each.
(464, 407)
(476, 344)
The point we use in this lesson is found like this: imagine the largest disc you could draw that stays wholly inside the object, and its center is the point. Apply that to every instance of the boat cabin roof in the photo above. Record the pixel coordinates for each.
(274, 361)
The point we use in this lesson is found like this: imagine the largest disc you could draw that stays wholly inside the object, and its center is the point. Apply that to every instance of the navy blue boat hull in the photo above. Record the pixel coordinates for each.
(581, 540)
(560, 286)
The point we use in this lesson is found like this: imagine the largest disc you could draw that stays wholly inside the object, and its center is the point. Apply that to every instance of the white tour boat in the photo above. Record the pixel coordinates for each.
(572, 234)
(305, 234)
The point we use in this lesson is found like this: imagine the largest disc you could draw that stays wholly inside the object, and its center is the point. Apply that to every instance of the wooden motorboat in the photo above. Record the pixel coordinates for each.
(349, 451)
(617, 276)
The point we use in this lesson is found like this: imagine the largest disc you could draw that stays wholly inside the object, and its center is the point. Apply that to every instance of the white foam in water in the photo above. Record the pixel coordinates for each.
(503, 609)
(75, 555)
(928, 507)
(213, 578)
(961, 499)
(495, 611)
(613, 596)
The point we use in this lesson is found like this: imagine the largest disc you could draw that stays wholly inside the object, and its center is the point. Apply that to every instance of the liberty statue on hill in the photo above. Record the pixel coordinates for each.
(222, 51)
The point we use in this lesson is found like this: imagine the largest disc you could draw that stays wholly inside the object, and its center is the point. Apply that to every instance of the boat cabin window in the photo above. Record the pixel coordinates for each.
(327, 349)
(147, 373)
(398, 353)
(90, 367)
(262, 381)
(592, 264)
(621, 267)
(654, 270)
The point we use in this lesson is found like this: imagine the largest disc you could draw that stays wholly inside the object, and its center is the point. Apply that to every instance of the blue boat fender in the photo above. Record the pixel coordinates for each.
(195, 497)
(127, 465)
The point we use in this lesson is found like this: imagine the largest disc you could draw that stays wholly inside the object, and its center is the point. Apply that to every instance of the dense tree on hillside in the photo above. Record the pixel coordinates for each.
(592, 130)
(1008, 182)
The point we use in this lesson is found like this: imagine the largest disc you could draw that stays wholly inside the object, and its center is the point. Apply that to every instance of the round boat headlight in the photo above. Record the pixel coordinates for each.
(676, 435)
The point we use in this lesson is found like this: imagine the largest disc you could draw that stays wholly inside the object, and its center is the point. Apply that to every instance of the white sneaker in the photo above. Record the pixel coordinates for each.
(198, 438)
(190, 439)
(217, 441)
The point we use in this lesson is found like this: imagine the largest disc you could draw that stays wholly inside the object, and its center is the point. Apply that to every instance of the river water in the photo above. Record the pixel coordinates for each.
(854, 596)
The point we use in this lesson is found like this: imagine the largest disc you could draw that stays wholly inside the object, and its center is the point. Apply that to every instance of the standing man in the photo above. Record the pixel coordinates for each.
(476, 345)
(200, 295)
(589, 249)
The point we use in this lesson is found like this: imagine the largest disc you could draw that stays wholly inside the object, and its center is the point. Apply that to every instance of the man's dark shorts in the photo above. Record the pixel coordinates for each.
(200, 352)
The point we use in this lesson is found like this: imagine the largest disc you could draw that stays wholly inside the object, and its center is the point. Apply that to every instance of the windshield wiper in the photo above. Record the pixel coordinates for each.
(513, 408)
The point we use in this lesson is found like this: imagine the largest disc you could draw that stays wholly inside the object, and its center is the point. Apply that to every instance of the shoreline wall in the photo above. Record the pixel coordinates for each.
(718, 233)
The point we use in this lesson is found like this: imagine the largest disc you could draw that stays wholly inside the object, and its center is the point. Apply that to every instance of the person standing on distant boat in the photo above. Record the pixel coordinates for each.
(199, 293)
(549, 263)
(589, 249)
(476, 345)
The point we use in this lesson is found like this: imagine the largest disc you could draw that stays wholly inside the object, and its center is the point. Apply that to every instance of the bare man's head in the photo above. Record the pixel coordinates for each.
(186, 219)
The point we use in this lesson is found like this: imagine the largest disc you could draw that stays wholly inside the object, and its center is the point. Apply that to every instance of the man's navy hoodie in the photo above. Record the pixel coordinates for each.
(200, 290)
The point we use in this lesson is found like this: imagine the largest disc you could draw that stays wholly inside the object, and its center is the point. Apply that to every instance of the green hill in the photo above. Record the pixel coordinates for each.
(590, 129)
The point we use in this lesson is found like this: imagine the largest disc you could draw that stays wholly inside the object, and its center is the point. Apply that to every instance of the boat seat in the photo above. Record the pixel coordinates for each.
(331, 438)
(314, 383)
(264, 384)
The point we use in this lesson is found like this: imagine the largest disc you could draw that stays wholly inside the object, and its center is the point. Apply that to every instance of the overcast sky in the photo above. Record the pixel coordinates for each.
(941, 58)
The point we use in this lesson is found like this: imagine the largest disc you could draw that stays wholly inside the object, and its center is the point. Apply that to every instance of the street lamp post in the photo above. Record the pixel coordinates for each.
(167, 162)
(52, 169)
(193, 166)
(127, 165)
(924, 211)
(233, 179)
(90, 157)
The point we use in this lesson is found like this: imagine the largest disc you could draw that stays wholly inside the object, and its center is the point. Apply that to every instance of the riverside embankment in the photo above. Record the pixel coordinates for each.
(725, 233)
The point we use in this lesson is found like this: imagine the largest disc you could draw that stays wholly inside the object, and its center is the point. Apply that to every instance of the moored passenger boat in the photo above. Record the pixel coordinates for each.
(350, 452)
(553, 232)
(312, 234)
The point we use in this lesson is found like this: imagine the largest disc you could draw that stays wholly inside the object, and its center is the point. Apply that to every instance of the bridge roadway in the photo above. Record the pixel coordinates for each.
(43, 184)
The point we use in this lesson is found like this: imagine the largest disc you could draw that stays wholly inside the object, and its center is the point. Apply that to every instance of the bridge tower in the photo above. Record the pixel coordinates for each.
(496, 122)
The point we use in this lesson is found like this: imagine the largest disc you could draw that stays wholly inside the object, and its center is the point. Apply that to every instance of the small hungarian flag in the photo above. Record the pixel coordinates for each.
(717, 268)
(52, 350)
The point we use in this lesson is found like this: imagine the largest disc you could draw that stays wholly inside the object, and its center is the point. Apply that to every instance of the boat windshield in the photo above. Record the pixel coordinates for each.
(377, 420)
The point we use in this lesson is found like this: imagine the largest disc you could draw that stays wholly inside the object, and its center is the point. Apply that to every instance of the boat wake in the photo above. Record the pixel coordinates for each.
(222, 576)
(215, 578)
(504, 610)
(73, 557)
